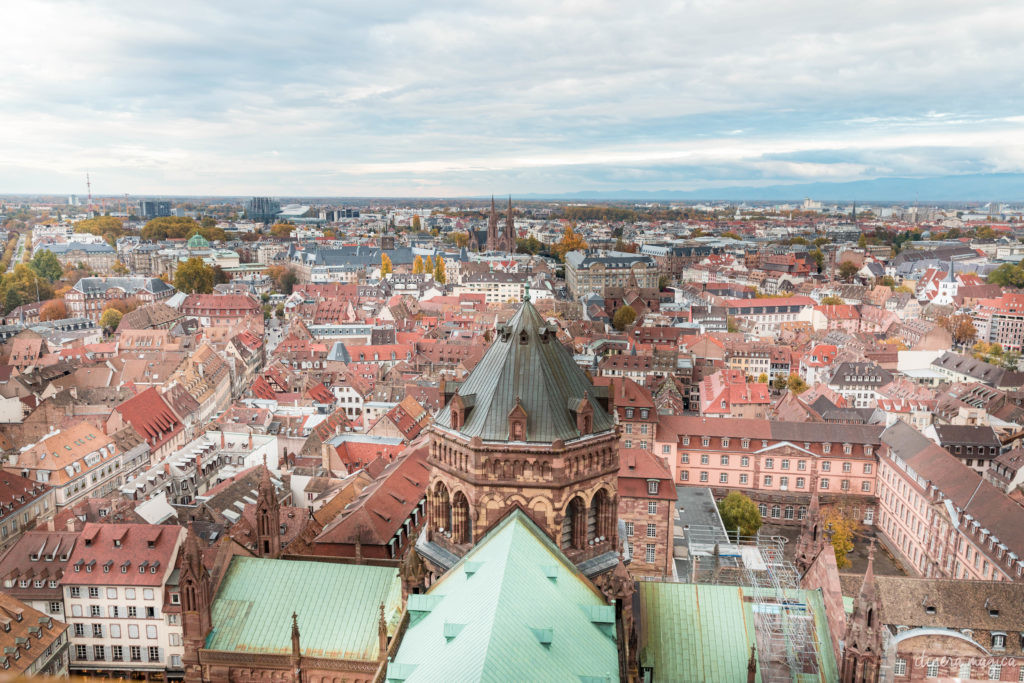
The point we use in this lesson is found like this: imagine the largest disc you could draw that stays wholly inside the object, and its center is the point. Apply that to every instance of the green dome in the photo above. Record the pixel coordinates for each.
(197, 241)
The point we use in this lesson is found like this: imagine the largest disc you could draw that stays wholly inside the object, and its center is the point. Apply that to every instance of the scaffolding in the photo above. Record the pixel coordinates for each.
(786, 636)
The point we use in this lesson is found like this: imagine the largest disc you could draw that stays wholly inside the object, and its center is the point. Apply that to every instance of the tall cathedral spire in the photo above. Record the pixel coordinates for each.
(492, 227)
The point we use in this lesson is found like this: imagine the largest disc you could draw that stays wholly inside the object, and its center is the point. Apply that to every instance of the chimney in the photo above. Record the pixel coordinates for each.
(50, 526)
(222, 438)
(250, 440)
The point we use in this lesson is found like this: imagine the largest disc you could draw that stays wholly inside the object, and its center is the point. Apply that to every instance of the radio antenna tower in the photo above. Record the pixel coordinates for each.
(88, 186)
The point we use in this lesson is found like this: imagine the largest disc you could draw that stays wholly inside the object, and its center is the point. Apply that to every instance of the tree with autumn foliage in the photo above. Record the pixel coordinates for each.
(439, 274)
(282, 230)
(842, 522)
(416, 225)
(417, 265)
(53, 310)
(459, 239)
(385, 265)
(960, 327)
(194, 277)
(110, 319)
(571, 241)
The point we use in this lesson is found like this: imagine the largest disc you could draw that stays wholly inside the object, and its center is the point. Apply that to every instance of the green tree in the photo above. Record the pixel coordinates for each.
(169, 227)
(385, 265)
(731, 235)
(847, 269)
(887, 281)
(819, 258)
(985, 232)
(417, 265)
(1007, 275)
(194, 277)
(220, 276)
(739, 514)
(831, 300)
(110, 319)
(439, 273)
(529, 245)
(623, 318)
(23, 285)
(862, 241)
(46, 265)
(663, 282)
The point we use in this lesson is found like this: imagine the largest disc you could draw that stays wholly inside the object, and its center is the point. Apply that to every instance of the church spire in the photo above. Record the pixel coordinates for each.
(863, 638)
(812, 538)
(509, 238)
(492, 227)
(268, 517)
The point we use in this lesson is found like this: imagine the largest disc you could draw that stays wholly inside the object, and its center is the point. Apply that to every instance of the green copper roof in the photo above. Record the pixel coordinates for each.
(514, 609)
(526, 362)
(338, 607)
(699, 632)
(197, 241)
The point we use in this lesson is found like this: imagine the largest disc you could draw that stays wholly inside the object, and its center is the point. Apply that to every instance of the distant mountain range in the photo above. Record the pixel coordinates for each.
(982, 187)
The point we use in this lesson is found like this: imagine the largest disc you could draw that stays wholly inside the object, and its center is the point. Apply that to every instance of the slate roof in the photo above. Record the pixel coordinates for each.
(487, 618)
(98, 285)
(526, 363)
(338, 620)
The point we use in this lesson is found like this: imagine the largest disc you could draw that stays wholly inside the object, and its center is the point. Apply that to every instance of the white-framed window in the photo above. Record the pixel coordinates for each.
(629, 528)
(744, 479)
(704, 459)
(703, 476)
(723, 478)
(652, 507)
(763, 509)
(652, 487)
(769, 463)
(652, 531)
(767, 480)
(684, 475)
(649, 553)
(824, 483)
(826, 466)
(865, 486)
(995, 671)
(965, 670)
(900, 667)
(932, 670)
(725, 460)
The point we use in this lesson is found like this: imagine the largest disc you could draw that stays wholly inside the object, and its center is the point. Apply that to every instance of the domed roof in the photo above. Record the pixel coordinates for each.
(197, 241)
(526, 364)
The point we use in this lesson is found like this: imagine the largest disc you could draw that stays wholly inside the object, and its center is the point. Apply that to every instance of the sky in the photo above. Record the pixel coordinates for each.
(444, 98)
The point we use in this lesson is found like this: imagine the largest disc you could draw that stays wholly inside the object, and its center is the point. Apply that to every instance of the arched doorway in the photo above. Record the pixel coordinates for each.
(462, 519)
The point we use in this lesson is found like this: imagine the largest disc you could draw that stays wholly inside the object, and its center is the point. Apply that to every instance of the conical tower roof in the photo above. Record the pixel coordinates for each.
(527, 363)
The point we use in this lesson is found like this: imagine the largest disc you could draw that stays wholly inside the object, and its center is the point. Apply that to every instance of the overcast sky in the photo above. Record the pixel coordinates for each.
(435, 98)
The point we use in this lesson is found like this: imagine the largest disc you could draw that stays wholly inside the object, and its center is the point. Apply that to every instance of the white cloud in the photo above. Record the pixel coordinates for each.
(323, 97)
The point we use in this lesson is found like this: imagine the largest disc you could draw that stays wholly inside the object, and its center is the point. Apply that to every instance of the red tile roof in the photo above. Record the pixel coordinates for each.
(123, 555)
(151, 417)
